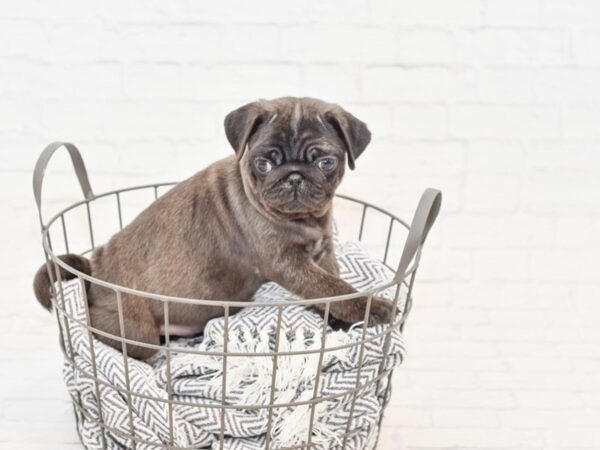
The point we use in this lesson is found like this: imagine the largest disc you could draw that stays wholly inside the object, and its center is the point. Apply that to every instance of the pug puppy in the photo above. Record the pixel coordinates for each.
(263, 214)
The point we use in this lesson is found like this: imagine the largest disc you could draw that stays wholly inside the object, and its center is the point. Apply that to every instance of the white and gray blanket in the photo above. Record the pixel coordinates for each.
(196, 380)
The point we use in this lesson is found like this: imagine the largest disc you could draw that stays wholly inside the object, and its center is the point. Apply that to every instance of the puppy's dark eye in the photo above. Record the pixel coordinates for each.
(327, 164)
(263, 165)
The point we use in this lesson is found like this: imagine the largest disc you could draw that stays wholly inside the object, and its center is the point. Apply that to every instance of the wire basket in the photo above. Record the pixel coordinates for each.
(77, 229)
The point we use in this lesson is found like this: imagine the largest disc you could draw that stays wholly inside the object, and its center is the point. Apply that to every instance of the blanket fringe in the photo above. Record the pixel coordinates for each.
(294, 380)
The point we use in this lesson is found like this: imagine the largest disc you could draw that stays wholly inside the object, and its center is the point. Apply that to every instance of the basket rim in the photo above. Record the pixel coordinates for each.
(119, 289)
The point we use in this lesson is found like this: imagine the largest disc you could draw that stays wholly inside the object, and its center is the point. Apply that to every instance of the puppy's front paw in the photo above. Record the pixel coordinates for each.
(381, 311)
(354, 311)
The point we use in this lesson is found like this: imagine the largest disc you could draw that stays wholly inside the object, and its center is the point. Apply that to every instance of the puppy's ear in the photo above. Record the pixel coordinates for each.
(241, 124)
(353, 132)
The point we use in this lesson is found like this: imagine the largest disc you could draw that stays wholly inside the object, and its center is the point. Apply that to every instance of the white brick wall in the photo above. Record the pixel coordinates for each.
(496, 102)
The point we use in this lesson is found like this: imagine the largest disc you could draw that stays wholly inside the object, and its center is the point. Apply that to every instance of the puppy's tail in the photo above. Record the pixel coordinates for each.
(42, 286)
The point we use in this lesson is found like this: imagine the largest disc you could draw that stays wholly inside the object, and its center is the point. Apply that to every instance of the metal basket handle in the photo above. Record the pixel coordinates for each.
(40, 169)
(424, 218)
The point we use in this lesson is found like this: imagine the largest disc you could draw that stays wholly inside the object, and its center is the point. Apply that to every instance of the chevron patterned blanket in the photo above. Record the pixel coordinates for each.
(194, 418)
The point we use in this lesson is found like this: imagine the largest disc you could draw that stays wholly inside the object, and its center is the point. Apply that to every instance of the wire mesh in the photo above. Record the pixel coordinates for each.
(122, 294)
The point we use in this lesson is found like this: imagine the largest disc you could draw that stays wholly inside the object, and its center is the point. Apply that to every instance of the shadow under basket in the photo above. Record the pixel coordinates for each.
(274, 375)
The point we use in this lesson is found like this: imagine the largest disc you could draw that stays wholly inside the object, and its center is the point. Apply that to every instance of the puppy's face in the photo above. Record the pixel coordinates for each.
(293, 152)
(295, 164)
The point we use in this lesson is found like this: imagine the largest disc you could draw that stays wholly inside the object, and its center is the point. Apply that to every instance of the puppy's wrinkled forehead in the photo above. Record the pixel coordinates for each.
(305, 116)
(294, 122)
(295, 113)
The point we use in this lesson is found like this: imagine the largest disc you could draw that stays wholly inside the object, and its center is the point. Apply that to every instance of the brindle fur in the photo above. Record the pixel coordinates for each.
(228, 229)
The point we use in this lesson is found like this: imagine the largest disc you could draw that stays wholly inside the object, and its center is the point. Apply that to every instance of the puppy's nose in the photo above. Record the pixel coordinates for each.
(295, 178)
